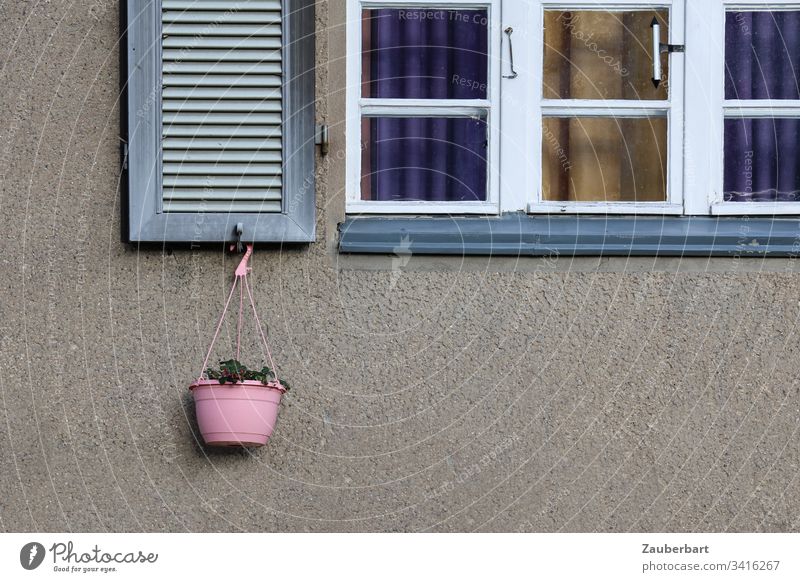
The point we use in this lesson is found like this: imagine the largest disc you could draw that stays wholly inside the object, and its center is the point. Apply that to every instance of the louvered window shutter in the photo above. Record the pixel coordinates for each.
(220, 120)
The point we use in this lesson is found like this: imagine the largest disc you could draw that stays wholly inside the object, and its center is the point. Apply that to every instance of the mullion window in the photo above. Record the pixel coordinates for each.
(425, 108)
(605, 123)
(732, 129)
(762, 107)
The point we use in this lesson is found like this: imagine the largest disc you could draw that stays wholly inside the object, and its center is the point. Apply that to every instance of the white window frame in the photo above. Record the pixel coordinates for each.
(531, 92)
(357, 107)
(697, 109)
(708, 130)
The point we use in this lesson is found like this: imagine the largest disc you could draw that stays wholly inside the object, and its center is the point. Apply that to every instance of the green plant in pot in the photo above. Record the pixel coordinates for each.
(234, 372)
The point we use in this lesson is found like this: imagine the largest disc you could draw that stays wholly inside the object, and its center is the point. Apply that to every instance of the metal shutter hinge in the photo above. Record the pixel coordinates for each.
(321, 139)
(238, 231)
(124, 152)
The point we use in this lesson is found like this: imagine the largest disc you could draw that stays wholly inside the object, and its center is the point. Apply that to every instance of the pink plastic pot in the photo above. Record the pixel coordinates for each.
(232, 415)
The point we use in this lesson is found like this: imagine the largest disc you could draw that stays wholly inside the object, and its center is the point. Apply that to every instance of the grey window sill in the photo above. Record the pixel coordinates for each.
(524, 235)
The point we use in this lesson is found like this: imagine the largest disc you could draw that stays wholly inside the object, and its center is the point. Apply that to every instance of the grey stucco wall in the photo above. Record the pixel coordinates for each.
(438, 394)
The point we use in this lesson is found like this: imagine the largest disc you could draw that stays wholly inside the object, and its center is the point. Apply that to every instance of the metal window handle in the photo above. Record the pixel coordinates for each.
(509, 31)
(656, 52)
(658, 48)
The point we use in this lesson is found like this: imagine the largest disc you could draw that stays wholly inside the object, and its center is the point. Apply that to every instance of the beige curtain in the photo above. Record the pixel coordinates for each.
(602, 55)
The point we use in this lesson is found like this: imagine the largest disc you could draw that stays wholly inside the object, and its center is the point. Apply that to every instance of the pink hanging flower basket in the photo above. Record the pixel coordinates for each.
(241, 414)
(236, 406)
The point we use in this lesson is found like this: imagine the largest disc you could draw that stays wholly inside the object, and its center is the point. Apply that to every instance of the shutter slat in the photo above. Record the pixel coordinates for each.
(211, 182)
(226, 131)
(209, 118)
(221, 106)
(190, 106)
(222, 144)
(188, 169)
(188, 44)
(212, 29)
(192, 68)
(223, 5)
(255, 195)
(264, 81)
(220, 93)
(218, 17)
(231, 55)
(221, 156)
(215, 206)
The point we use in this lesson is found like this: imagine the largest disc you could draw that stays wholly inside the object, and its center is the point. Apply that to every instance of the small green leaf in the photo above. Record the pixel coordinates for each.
(233, 371)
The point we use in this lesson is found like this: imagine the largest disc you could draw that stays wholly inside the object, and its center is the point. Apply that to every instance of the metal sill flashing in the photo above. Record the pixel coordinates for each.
(524, 235)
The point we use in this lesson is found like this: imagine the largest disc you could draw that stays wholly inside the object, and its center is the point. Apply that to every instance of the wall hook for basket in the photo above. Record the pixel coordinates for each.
(239, 231)
(243, 269)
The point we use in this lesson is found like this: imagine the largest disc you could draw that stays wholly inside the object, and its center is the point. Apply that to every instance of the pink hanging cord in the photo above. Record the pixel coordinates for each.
(261, 330)
(241, 280)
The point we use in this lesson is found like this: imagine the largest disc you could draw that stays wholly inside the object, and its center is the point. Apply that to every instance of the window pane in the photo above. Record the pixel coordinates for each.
(604, 159)
(424, 159)
(762, 55)
(425, 54)
(592, 54)
(762, 160)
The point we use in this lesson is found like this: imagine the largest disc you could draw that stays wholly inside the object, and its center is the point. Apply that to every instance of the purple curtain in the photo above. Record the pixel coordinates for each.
(426, 54)
(762, 156)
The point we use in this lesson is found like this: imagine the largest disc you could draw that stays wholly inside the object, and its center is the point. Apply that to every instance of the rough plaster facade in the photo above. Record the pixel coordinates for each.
(430, 394)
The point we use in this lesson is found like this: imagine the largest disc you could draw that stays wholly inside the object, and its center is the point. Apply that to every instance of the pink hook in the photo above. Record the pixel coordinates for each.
(243, 269)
